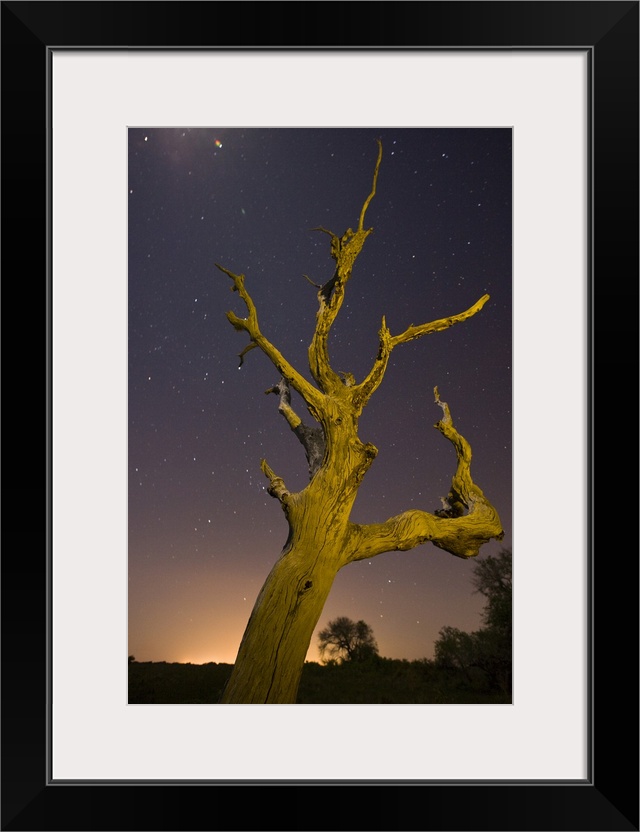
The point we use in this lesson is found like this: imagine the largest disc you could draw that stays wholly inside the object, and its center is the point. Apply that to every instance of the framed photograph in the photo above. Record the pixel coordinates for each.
(89, 84)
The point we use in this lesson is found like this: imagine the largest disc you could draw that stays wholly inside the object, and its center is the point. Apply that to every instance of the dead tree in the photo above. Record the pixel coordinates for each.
(322, 539)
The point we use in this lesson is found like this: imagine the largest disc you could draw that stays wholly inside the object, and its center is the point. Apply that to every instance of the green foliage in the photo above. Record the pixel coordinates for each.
(489, 649)
(348, 641)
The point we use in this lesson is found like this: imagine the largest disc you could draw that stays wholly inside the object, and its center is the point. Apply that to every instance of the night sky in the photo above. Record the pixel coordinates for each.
(203, 532)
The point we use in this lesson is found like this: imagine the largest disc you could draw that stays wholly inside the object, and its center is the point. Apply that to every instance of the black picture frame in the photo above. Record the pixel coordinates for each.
(608, 799)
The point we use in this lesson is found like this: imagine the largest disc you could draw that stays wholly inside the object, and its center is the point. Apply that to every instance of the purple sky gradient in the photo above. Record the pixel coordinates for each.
(203, 532)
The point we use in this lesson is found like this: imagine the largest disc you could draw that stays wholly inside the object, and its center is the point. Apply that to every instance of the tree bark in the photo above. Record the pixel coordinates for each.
(322, 539)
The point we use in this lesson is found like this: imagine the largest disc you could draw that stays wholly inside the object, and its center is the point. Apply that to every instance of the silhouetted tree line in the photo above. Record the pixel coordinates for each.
(489, 649)
(481, 657)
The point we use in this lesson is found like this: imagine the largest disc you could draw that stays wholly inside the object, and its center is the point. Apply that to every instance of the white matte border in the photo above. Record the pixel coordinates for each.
(96, 96)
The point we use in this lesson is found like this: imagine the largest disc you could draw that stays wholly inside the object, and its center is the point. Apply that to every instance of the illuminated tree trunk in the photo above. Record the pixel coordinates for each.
(322, 539)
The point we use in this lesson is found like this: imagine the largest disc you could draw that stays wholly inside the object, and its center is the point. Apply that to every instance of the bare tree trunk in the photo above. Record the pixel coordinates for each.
(321, 541)
(271, 656)
(322, 538)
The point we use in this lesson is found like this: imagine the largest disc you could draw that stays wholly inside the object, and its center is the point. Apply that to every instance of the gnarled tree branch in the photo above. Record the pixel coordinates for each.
(449, 528)
(276, 488)
(309, 393)
(312, 439)
(363, 391)
(373, 188)
(344, 251)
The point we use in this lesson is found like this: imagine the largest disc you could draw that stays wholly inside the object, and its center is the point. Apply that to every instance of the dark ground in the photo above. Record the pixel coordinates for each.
(379, 681)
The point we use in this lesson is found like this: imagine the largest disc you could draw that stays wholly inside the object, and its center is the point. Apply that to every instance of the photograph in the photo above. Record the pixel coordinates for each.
(264, 566)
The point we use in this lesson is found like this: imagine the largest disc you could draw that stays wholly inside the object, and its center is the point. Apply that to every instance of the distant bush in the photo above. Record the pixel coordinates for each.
(347, 641)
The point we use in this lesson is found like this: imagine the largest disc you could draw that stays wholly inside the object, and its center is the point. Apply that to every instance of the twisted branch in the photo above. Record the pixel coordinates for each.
(363, 391)
(459, 533)
(344, 250)
(309, 393)
(312, 439)
(373, 188)
(276, 488)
